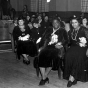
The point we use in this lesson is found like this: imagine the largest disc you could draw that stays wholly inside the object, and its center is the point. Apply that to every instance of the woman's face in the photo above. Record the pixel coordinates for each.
(21, 22)
(75, 23)
(84, 21)
(46, 18)
(39, 17)
(56, 24)
(28, 17)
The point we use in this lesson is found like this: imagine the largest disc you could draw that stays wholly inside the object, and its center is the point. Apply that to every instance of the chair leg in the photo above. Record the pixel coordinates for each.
(37, 72)
(17, 57)
(60, 75)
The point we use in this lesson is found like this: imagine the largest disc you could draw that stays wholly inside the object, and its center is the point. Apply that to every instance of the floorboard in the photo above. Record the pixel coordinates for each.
(15, 74)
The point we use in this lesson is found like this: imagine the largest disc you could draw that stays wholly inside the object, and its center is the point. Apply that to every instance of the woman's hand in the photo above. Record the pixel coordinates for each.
(25, 38)
(59, 45)
(19, 38)
(30, 25)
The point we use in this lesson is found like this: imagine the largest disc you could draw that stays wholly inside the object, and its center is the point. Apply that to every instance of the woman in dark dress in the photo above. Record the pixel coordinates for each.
(55, 39)
(21, 34)
(76, 61)
(84, 22)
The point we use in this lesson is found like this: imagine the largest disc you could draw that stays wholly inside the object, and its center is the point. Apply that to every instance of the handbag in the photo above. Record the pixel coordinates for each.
(87, 52)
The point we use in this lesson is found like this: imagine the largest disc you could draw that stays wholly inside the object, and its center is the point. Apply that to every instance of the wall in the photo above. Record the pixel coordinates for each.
(52, 5)
(65, 8)
(65, 5)
(18, 4)
(61, 5)
(74, 5)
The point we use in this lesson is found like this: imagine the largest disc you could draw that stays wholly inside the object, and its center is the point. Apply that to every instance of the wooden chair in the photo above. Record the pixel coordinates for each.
(59, 69)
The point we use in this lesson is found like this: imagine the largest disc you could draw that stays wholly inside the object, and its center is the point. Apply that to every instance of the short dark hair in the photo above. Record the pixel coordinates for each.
(55, 18)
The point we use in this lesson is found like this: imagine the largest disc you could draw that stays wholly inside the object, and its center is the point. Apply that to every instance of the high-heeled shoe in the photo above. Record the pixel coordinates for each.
(47, 80)
(27, 62)
(74, 82)
(69, 84)
(43, 81)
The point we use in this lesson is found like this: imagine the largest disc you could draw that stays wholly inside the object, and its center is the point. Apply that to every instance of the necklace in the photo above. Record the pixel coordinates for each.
(74, 34)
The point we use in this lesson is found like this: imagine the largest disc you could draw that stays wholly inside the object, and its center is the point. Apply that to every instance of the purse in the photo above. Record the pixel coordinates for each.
(87, 52)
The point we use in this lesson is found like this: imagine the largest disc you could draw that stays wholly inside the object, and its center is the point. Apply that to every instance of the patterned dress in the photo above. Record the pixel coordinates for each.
(76, 61)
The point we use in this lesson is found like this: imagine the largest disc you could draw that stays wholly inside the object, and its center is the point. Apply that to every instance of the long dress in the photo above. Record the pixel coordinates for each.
(49, 55)
(24, 47)
(76, 61)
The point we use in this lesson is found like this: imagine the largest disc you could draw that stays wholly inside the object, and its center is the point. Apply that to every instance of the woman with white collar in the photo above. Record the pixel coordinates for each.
(76, 61)
(49, 54)
(22, 34)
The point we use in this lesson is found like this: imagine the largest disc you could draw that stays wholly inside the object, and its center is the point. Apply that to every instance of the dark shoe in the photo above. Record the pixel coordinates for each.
(47, 80)
(42, 82)
(27, 62)
(74, 82)
(69, 84)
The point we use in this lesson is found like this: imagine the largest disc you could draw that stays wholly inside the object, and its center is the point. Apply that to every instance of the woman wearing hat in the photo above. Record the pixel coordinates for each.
(76, 61)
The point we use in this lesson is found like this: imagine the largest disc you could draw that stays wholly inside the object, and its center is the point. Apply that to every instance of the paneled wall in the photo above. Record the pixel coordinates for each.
(39, 6)
(61, 5)
(65, 5)
(54, 5)
(18, 4)
(33, 5)
(74, 5)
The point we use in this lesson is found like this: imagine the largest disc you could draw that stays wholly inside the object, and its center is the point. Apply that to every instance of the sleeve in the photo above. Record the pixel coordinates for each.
(29, 31)
(65, 38)
(45, 37)
(86, 34)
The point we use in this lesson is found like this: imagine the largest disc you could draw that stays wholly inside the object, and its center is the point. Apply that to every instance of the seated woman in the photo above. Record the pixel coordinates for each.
(21, 34)
(76, 61)
(49, 56)
(84, 22)
(28, 19)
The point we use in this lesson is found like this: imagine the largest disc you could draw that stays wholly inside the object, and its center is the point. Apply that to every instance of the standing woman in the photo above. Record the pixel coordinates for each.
(76, 61)
(21, 34)
(49, 56)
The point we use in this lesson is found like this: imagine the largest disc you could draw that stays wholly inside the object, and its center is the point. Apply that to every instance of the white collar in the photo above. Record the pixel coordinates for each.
(54, 30)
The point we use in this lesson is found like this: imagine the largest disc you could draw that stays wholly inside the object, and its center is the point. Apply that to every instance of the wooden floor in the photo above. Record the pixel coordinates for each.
(15, 74)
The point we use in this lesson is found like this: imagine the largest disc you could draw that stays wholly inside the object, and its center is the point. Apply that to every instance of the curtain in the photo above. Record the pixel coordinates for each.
(84, 5)
(39, 6)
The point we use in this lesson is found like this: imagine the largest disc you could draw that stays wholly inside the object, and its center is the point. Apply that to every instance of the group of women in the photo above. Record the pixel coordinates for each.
(50, 42)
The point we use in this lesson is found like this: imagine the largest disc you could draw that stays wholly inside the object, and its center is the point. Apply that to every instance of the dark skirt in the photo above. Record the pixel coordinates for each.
(26, 47)
(49, 57)
(76, 63)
